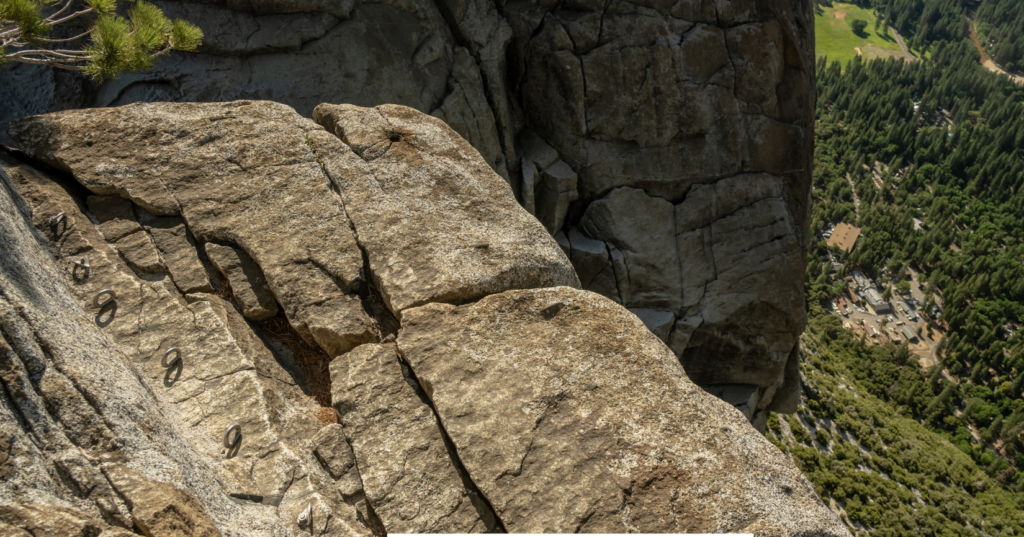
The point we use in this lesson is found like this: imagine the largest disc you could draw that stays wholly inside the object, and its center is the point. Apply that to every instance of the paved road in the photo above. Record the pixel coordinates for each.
(903, 46)
(986, 62)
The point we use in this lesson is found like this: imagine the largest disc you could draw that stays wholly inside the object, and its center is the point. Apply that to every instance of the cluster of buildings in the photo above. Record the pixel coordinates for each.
(871, 295)
(905, 308)
(866, 288)
(876, 303)
(844, 236)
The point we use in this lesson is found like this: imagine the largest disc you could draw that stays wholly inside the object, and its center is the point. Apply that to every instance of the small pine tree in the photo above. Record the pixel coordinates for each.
(113, 44)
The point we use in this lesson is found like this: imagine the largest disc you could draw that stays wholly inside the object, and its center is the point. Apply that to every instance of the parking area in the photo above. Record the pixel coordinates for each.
(880, 329)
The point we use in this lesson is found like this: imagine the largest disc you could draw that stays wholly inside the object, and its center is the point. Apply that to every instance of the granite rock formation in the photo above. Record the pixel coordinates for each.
(455, 385)
(657, 140)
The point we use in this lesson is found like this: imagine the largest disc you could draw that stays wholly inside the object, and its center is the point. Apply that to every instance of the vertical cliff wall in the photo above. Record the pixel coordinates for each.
(665, 144)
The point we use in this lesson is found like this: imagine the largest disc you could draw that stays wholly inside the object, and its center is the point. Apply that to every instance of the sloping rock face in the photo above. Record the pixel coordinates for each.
(599, 431)
(447, 232)
(404, 387)
(618, 124)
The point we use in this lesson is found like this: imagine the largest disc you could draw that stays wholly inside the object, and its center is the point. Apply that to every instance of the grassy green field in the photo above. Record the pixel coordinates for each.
(835, 39)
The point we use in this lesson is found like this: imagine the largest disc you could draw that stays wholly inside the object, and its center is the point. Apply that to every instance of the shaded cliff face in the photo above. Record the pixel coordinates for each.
(666, 144)
(413, 355)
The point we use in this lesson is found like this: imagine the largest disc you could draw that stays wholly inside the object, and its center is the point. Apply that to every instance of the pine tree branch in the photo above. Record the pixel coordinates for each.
(53, 55)
(15, 32)
(54, 65)
(168, 48)
(67, 4)
(67, 53)
(124, 43)
(74, 15)
(79, 36)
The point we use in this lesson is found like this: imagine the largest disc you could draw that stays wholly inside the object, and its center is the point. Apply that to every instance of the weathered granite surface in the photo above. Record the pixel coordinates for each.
(511, 400)
(93, 442)
(406, 469)
(572, 417)
(574, 104)
(225, 168)
(436, 223)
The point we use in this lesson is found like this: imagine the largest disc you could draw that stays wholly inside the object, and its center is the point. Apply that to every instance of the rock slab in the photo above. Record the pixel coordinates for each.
(572, 417)
(248, 285)
(437, 224)
(407, 472)
(239, 173)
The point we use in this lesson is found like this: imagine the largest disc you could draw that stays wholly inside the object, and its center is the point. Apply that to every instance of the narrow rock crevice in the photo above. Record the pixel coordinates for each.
(373, 300)
(385, 322)
(313, 41)
(480, 502)
(374, 522)
(453, 25)
(11, 388)
(311, 360)
(358, 498)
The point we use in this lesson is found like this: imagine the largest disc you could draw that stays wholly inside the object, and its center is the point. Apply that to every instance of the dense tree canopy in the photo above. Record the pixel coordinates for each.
(1001, 30)
(860, 442)
(925, 21)
(946, 140)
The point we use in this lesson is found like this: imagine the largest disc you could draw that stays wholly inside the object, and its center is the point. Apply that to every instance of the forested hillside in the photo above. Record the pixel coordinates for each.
(927, 158)
(859, 442)
(952, 136)
(922, 22)
(1001, 31)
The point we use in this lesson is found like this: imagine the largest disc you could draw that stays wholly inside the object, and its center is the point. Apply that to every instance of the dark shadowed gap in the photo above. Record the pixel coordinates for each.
(311, 360)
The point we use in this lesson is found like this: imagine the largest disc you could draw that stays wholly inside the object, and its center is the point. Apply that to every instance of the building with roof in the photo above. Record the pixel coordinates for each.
(908, 333)
(876, 303)
(862, 280)
(844, 236)
(910, 313)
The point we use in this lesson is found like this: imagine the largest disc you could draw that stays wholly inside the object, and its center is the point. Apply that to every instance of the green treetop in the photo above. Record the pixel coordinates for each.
(110, 46)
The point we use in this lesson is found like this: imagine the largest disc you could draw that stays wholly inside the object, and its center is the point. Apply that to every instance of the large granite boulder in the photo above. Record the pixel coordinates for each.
(600, 431)
(510, 400)
(450, 231)
(579, 106)
(240, 174)
(98, 437)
